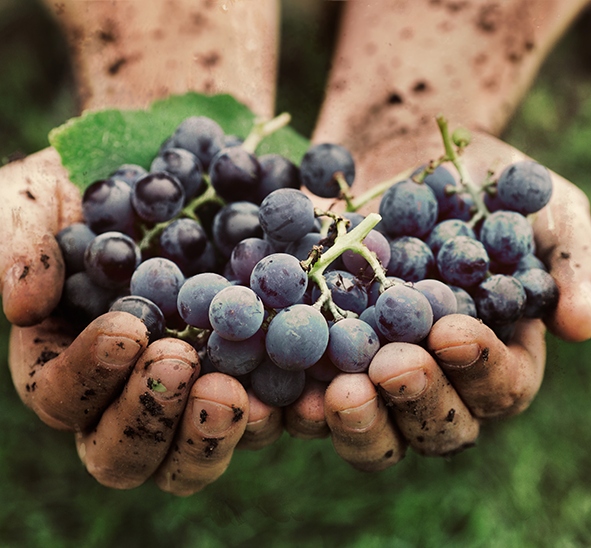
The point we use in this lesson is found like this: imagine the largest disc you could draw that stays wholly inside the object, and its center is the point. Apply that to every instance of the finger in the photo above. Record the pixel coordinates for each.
(213, 423)
(70, 387)
(37, 202)
(427, 410)
(362, 433)
(493, 380)
(562, 233)
(305, 417)
(136, 430)
(264, 425)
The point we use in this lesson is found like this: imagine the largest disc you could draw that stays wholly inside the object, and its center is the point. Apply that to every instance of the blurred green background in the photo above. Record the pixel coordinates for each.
(526, 484)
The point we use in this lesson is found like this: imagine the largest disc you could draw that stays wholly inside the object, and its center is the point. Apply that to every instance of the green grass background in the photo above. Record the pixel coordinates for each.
(526, 484)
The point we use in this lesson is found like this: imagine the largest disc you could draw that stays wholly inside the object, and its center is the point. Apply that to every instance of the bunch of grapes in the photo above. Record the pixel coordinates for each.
(222, 248)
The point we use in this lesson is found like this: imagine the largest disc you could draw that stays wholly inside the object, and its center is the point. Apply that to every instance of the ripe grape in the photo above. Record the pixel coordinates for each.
(319, 166)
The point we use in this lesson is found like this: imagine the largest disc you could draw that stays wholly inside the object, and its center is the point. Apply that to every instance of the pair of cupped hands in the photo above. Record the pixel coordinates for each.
(100, 384)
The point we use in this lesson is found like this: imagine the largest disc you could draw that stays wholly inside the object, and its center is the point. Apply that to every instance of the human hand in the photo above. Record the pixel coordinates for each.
(434, 399)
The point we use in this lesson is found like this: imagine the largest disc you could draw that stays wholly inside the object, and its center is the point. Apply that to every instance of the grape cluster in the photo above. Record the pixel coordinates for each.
(221, 247)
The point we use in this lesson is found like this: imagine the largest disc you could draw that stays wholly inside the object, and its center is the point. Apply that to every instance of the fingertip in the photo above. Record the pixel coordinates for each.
(305, 418)
(571, 321)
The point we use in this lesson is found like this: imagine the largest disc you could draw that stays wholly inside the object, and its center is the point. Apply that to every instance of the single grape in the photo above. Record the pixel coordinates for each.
(297, 337)
(145, 310)
(462, 261)
(375, 289)
(319, 166)
(369, 317)
(530, 261)
(410, 259)
(183, 242)
(375, 242)
(441, 181)
(111, 258)
(159, 280)
(236, 357)
(233, 223)
(286, 215)
(246, 255)
(73, 241)
(440, 296)
(464, 301)
(195, 296)
(184, 165)
(352, 345)
(346, 290)
(275, 386)
(128, 173)
(403, 314)
(541, 291)
(236, 313)
(157, 196)
(279, 280)
(301, 248)
(276, 172)
(408, 209)
(235, 175)
(525, 187)
(106, 206)
(500, 300)
(83, 300)
(507, 236)
(445, 230)
(200, 135)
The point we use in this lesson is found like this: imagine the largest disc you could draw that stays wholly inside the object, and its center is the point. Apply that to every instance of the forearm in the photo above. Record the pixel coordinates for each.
(128, 53)
(399, 64)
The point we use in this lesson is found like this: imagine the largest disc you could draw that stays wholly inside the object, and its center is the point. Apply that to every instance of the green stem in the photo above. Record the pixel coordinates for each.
(189, 334)
(264, 128)
(465, 179)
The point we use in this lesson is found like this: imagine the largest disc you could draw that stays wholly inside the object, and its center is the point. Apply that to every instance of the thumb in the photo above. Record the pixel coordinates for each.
(37, 201)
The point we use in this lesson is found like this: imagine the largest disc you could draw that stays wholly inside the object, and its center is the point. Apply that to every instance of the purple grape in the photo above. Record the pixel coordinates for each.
(352, 345)
(525, 187)
(200, 135)
(184, 165)
(236, 313)
(106, 206)
(183, 242)
(507, 237)
(462, 261)
(145, 310)
(410, 259)
(157, 197)
(236, 357)
(195, 296)
(275, 386)
(73, 241)
(246, 255)
(233, 223)
(286, 215)
(500, 300)
(319, 166)
(356, 264)
(235, 175)
(441, 298)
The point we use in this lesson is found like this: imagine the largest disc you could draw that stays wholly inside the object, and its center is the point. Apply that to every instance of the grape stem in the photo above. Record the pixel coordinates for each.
(263, 128)
(315, 265)
(190, 334)
(465, 179)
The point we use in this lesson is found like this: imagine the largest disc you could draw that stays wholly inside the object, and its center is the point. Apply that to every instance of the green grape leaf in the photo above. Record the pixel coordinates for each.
(96, 143)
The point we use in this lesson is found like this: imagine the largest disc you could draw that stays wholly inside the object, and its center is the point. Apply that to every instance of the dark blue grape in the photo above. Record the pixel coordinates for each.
(233, 223)
(196, 295)
(83, 300)
(276, 172)
(301, 248)
(408, 209)
(369, 317)
(73, 241)
(462, 261)
(440, 182)
(319, 166)
(464, 301)
(235, 175)
(246, 255)
(297, 337)
(279, 280)
(374, 290)
(500, 300)
(403, 314)
(236, 313)
(445, 230)
(111, 258)
(507, 236)
(157, 197)
(525, 187)
(200, 135)
(159, 280)
(184, 165)
(440, 296)
(286, 215)
(236, 357)
(129, 173)
(530, 261)
(275, 386)
(347, 293)
(377, 243)
(352, 345)
(184, 241)
(541, 291)
(410, 259)
(145, 310)
(106, 206)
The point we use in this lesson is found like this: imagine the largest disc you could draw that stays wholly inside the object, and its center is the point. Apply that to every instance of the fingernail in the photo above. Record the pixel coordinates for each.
(168, 377)
(212, 418)
(361, 417)
(459, 356)
(116, 350)
(257, 426)
(408, 385)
